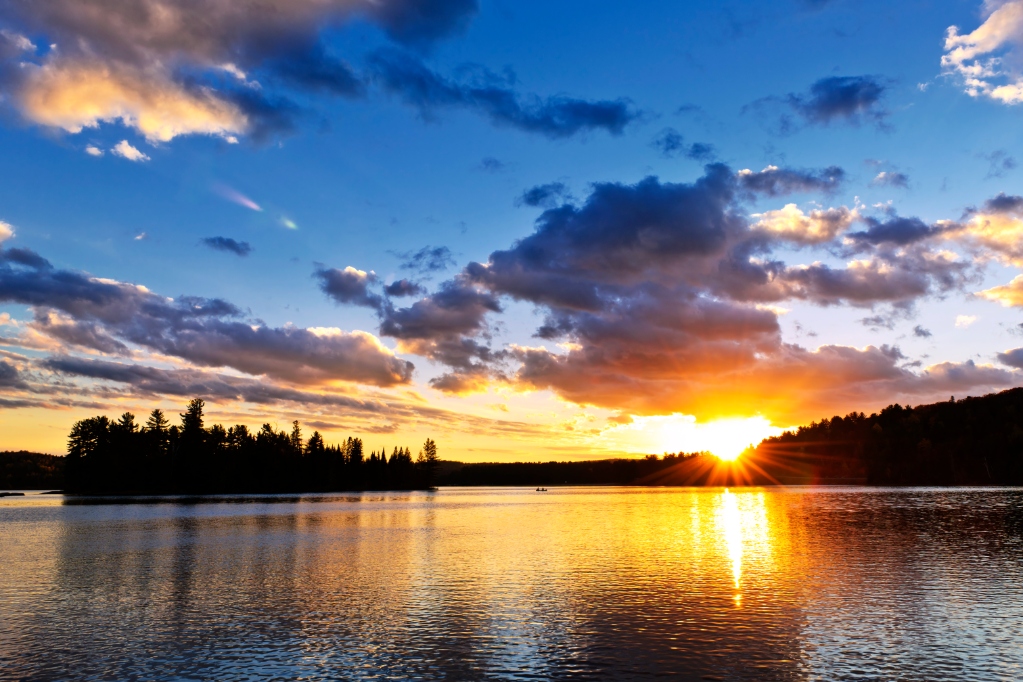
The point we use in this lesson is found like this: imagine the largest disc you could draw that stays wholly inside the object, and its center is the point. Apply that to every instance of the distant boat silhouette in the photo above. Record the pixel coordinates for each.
(541, 490)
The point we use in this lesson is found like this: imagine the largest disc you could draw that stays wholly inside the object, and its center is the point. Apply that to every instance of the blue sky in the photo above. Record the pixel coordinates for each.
(365, 133)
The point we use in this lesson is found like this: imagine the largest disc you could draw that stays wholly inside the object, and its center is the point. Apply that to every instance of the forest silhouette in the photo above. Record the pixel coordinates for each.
(123, 457)
(972, 441)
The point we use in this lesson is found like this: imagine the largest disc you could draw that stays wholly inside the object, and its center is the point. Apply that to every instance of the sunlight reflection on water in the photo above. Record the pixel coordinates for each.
(581, 583)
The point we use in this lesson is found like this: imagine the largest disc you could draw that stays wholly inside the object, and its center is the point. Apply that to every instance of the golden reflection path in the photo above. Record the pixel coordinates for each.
(743, 525)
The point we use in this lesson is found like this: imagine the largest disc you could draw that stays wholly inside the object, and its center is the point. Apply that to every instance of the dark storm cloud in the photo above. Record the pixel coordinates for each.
(426, 260)
(671, 144)
(774, 181)
(209, 332)
(349, 286)
(895, 230)
(229, 245)
(547, 196)
(1012, 358)
(403, 287)
(492, 96)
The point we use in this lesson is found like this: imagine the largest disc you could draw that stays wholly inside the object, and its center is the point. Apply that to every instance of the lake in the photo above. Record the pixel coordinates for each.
(474, 583)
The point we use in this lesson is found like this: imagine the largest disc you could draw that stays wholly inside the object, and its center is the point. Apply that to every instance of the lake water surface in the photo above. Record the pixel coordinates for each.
(464, 584)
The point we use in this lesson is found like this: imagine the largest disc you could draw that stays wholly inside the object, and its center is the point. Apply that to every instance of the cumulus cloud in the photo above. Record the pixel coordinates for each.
(229, 245)
(492, 96)
(126, 151)
(93, 150)
(818, 226)
(983, 59)
(996, 229)
(203, 67)
(1012, 358)
(1009, 295)
(921, 333)
(6, 231)
(350, 286)
(111, 316)
(73, 96)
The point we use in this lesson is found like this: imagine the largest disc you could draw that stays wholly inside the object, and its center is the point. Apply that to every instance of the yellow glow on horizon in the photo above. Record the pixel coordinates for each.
(726, 438)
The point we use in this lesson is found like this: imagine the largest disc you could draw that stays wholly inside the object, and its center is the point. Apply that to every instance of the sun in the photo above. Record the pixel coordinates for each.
(725, 438)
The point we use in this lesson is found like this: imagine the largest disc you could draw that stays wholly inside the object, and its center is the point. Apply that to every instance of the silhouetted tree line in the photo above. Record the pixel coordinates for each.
(24, 470)
(592, 472)
(973, 441)
(121, 456)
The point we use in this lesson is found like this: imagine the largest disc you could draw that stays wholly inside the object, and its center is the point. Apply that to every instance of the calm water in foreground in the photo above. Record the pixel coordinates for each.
(598, 583)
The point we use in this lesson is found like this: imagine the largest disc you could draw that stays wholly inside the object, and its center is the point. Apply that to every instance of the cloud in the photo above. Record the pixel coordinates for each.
(9, 375)
(895, 230)
(426, 260)
(818, 226)
(995, 230)
(671, 144)
(204, 332)
(229, 245)
(93, 150)
(170, 69)
(544, 195)
(73, 96)
(6, 231)
(773, 181)
(983, 60)
(841, 98)
(655, 293)
(1012, 358)
(835, 99)
(403, 287)
(921, 333)
(490, 95)
(125, 150)
(236, 197)
(964, 321)
(1009, 295)
(350, 286)
(489, 164)
(999, 163)
(890, 179)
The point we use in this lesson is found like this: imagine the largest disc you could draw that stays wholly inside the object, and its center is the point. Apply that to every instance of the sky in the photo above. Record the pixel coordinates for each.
(528, 230)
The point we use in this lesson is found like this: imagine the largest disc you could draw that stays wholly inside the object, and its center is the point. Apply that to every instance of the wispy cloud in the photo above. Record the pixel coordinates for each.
(235, 196)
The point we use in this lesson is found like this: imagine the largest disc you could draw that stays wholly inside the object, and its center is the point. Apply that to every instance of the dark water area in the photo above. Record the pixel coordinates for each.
(466, 584)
